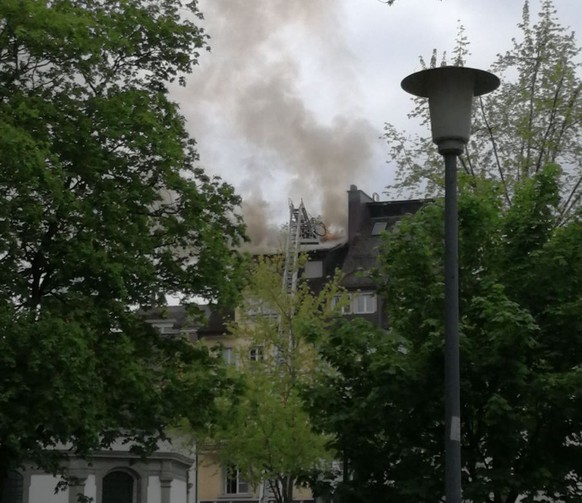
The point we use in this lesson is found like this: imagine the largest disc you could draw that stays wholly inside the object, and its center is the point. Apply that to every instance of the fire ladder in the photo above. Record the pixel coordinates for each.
(303, 230)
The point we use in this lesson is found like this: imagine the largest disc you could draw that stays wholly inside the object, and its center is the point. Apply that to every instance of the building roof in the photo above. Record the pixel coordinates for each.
(368, 218)
(355, 254)
(367, 221)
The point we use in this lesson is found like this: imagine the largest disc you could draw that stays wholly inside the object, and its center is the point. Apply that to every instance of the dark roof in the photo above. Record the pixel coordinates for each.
(362, 250)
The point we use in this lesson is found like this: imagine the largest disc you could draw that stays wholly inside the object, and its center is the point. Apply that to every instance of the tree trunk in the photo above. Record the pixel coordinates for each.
(287, 489)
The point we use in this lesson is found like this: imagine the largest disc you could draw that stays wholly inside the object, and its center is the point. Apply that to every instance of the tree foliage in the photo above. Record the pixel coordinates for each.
(521, 348)
(102, 208)
(532, 120)
(267, 433)
(351, 401)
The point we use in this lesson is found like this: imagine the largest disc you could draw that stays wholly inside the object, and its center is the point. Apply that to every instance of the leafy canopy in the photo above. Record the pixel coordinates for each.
(520, 337)
(521, 348)
(102, 209)
(364, 372)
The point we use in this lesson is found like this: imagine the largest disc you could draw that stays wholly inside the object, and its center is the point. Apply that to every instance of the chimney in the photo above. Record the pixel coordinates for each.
(357, 211)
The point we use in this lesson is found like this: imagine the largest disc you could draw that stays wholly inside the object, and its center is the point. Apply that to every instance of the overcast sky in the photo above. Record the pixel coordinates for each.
(292, 99)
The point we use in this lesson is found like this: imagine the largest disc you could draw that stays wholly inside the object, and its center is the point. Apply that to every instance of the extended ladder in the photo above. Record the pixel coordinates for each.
(302, 231)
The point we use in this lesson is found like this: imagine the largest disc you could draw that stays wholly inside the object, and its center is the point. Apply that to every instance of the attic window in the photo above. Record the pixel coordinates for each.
(378, 228)
(313, 269)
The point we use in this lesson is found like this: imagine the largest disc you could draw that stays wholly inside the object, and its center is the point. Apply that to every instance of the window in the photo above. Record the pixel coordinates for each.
(358, 303)
(364, 303)
(229, 356)
(313, 269)
(233, 483)
(118, 487)
(347, 306)
(256, 354)
(13, 488)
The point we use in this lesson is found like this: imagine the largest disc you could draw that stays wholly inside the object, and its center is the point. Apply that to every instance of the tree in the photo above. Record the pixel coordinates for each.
(267, 433)
(521, 348)
(352, 402)
(532, 120)
(102, 208)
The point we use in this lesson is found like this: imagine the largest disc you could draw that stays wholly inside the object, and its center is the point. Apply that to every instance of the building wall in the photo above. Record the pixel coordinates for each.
(91, 487)
(154, 490)
(42, 490)
(178, 492)
(210, 477)
(163, 478)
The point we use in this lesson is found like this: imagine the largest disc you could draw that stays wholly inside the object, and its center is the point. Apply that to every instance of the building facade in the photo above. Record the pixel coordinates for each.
(354, 254)
(113, 476)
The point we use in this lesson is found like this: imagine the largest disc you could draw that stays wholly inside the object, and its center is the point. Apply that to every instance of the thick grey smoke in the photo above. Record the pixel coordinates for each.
(255, 104)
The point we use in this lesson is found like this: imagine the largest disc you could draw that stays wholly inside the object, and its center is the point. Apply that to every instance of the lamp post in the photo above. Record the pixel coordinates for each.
(450, 91)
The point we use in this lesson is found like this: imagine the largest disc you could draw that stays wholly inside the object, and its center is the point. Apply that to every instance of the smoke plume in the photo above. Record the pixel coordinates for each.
(265, 119)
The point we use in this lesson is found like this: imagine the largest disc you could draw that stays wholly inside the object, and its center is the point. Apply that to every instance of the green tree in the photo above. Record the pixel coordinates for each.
(521, 348)
(532, 120)
(352, 401)
(102, 208)
(267, 432)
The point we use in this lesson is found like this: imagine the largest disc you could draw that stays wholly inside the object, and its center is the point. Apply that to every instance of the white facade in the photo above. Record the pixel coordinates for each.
(165, 477)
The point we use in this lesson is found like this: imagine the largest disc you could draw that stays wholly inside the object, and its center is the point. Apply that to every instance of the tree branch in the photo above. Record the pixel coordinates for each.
(495, 153)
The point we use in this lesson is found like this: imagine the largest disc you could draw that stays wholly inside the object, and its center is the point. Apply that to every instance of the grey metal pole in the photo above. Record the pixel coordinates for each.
(452, 374)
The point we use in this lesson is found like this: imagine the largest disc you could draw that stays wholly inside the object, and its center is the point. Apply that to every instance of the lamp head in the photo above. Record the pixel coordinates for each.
(450, 91)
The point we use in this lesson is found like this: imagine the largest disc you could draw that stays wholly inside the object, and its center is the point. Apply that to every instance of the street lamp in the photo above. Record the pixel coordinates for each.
(450, 91)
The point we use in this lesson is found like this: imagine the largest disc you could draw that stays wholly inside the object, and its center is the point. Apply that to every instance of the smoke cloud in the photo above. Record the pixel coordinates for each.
(264, 117)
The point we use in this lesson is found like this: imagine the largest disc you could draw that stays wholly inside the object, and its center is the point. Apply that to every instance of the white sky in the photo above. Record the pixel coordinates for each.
(292, 99)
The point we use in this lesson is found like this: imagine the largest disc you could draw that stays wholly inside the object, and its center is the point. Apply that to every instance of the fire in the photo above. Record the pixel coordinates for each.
(332, 233)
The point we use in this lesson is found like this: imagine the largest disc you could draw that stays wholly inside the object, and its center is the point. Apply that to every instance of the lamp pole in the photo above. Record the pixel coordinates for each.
(452, 373)
(450, 91)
